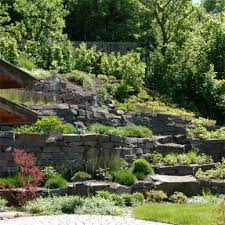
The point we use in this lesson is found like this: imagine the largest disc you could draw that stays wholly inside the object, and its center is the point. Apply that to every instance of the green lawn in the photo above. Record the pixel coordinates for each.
(180, 214)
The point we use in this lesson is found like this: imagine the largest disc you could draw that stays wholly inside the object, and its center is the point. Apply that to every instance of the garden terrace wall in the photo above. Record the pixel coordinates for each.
(182, 170)
(213, 147)
(74, 114)
(59, 90)
(70, 150)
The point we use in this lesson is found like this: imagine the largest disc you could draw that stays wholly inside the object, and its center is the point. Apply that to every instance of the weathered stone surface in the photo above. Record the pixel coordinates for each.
(182, 170)
(169, 184)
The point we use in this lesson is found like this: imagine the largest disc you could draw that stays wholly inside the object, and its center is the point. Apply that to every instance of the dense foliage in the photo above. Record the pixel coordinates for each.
(181, 51)
(181, 159)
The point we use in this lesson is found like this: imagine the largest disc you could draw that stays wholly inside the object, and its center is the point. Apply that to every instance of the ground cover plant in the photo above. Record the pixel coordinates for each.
(217, 174)
(123, 199)
(144, 103)
(12, 181)
(3, 204)
(179, 159)
(47, 125)
(184, 214)
(104, 203)
(202, 133)
(127, 131)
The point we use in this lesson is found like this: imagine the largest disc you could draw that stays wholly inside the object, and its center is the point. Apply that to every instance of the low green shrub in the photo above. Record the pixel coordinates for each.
(128, 199)
(49, 172)
(123, 199)
(142, 166)
(47, 125)
(178, 197)
(125, 177)
(127, 131)
(184, 159)
(201, 132)
(138, 198)
(56, 182)
(133, 131)
(156, 196)
(10, 181)
(81, 176)
(3, 204)
(217, 173)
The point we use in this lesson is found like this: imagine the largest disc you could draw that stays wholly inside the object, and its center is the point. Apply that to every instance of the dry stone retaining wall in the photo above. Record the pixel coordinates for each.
(74, 114)
(71, 150)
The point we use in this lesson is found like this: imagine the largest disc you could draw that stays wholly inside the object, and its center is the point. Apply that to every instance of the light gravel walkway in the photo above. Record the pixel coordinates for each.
(76, 220)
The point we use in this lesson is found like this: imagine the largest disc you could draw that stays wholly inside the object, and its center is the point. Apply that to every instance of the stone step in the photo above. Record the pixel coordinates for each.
(169, 184)
(170, 147)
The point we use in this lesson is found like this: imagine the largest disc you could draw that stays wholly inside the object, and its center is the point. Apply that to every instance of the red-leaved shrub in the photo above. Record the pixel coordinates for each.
(29, 173)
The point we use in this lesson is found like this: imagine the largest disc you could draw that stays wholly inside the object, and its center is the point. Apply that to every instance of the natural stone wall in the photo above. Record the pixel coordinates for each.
(74, 114)
(59, 90)
(216, 148)
(182, 170)
(72, 151)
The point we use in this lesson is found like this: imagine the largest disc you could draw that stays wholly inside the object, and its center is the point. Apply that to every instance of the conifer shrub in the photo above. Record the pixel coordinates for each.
(125, 177)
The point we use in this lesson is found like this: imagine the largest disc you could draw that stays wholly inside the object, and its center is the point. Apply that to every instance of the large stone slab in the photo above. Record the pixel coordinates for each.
(169, 184)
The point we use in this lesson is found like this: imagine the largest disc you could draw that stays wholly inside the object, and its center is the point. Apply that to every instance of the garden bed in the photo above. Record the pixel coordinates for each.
(182, 170)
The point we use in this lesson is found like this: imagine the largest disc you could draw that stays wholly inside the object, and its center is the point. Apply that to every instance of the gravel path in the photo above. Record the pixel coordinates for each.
(76, 220)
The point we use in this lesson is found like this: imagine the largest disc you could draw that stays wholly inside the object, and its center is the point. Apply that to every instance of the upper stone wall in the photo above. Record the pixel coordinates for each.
(61, 91)
(78, 115)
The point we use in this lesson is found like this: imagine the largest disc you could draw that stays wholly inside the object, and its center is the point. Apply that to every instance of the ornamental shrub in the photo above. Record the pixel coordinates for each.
(132, 131)
(47, 125)
(142, 166)
(81, 176)
(125, 177)
(156, 196)
(178, 197)
(56, 182)
(29, 174)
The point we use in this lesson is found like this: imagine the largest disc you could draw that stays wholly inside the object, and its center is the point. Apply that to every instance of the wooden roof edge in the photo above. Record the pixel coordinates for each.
(24, 78)
(18, 109)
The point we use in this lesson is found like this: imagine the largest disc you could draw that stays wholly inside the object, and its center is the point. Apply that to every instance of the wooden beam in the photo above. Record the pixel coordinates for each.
(13, 77)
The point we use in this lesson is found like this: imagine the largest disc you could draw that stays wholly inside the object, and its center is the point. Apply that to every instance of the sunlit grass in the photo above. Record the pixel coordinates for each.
(180, 214)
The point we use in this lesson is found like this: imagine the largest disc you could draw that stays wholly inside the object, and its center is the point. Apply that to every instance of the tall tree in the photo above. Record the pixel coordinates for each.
(214, 6)
(105, 20)
(8, 44)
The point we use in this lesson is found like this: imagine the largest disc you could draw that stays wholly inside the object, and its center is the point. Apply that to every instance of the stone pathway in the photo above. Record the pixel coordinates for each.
(76, 220)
